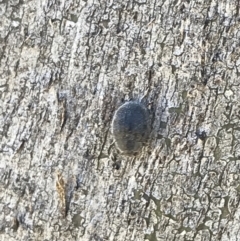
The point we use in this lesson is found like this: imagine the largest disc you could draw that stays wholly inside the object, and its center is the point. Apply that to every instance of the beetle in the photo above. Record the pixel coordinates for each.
(130, 127)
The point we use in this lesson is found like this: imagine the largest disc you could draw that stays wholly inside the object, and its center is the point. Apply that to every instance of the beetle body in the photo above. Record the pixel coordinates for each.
(130, 127)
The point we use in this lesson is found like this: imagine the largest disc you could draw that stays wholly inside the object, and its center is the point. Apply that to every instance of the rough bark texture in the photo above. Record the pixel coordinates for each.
(66, 66)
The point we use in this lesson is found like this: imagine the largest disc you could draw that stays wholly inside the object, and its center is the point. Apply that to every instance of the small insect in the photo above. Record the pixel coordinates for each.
(130, 127)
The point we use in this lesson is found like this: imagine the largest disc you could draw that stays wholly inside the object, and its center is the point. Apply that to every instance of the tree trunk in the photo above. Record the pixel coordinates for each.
(66, 67)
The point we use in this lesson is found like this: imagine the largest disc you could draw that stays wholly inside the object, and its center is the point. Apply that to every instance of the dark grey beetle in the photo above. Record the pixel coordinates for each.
(130, 127)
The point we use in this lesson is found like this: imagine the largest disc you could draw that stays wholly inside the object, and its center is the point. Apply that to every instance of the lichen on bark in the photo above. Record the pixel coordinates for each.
(66, 66)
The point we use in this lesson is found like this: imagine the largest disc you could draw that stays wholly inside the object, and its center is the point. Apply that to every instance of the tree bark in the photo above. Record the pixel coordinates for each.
(66, 66)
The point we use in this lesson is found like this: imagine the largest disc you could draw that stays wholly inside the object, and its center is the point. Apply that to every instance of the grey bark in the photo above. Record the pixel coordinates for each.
(66, 66)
